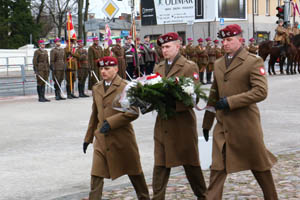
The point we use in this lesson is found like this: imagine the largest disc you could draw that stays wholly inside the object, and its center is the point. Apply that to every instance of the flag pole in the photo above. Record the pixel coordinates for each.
(133, 30)
(69, 44)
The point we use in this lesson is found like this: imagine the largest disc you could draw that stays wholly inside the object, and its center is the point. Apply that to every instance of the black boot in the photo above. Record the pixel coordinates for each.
(40, 94)
(82, 91)
(79, 90)
(69, 96)
(57, 95)
(208, 77)
(43, 94)
(201, 74)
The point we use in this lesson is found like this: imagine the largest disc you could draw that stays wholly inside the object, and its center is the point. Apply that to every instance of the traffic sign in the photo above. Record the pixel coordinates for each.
(221, 21)
(110, 9)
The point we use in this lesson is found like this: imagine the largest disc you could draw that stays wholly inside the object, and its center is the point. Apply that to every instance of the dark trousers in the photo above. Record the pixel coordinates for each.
(130, 70)
(194, 175)
(138, 182)
(149, 67)
(264, 179)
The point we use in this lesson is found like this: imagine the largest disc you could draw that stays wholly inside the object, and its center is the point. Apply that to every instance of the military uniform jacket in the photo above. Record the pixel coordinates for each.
(57, 58)
(252, 48)
(295, 30)
(82, 59)
(119, 53)
(176, 139)
(141, 54)
(244, 84)
(117, 153)
(202, 56)
(149, 52)
(129, 53)
(280, 33)
(95, 52)
(212, 53)
(72, 58)
(190, 53)
(40, 60)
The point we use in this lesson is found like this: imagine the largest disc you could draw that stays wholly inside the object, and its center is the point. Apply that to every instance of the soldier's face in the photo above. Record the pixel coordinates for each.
(96, 42)
(170, 49)
(232, 44)
(108, 73)
(57, 44)
(42, 46)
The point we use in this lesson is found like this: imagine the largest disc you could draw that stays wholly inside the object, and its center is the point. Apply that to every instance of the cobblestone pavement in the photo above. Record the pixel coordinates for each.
(286, 174)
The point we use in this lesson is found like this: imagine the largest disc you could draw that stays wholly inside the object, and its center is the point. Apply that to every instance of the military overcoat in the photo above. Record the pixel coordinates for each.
(176, 139)
(244, 84)
(117, 153)
(41, 60)
(57, 58)
(119, 53)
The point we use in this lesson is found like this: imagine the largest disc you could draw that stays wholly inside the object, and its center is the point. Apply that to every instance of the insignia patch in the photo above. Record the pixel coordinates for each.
(262, 71)
(196, 76)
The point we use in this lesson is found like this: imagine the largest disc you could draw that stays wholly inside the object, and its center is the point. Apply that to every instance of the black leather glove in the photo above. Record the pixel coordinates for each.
(85, 146)
(206, 134)
(222, 104)
(105, 127)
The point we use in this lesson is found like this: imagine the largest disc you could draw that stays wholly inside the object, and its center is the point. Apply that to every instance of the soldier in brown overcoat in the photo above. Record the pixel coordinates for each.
(130, 58)
(57, 65)
(83, 67)
(239, 83)
(141, 53)
(71, 68)
(212, 53)
(281, 36)
(119, 53)
(149, 55)
(295, 29)
(252, 48)
(176, 139)
(190, 51)
(41, 68)
(115, 149)
(202, 59)
(95, 52)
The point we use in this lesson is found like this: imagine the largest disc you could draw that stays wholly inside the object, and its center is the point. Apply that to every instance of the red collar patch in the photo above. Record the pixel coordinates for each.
(196, 76)
(262, 71)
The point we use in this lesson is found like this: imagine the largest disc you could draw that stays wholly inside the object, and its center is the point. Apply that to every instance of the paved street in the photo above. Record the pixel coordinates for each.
(41, 149)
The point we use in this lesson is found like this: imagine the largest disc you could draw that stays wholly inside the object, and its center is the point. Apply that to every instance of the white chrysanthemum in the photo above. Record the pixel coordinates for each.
(189, 89)
(154, 81)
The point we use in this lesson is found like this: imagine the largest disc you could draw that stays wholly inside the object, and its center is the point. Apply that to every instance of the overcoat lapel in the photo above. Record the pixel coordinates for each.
(114, 85)
(176, 66)
(237, 61)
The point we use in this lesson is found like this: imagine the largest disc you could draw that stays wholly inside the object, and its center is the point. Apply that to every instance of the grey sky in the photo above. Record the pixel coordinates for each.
(96, 7)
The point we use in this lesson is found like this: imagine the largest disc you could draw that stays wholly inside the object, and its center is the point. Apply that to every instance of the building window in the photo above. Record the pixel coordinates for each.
(232, 9)
(267, 7)
(199, 9)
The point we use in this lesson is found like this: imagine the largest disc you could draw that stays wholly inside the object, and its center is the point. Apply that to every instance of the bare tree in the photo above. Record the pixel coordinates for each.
(86, 12)
(58, 10)
(80, 17)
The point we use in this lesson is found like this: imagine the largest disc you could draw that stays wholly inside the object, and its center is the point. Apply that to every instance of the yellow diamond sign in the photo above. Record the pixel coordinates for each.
(110, 9)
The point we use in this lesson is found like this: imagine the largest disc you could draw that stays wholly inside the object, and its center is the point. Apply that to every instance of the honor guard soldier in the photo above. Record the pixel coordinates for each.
(202, 58)
(252, 48)
(57, 65)
(41, 69)
(190, 50)
(95, 52)
(211, 51)
(141, 51)
(71, 68)
(83, 67)
(280, 37)
(149, 55)
(115, 149)
(130, 58)
(159, 54)
(218, 49)
(239, 83)
(295, 29)
(176, 139)
(182, 47)
(119, 53)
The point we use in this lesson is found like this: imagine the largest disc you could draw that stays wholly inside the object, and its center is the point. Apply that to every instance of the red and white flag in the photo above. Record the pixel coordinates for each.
(70, 27)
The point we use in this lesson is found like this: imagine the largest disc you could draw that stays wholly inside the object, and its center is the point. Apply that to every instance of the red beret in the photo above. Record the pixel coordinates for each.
(190, 39)
(208, 39)
(95, 39)
(216, 41)
(108, 61)
(118, 40)
(79, 41)
(200, 40)
(251, 39)
(230, 31)
(41, 42)
(168, 37)
(56, 40)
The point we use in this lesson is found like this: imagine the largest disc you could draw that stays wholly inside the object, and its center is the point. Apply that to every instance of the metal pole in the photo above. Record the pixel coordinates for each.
(253, 16)
(23, 78)
(286, 11)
